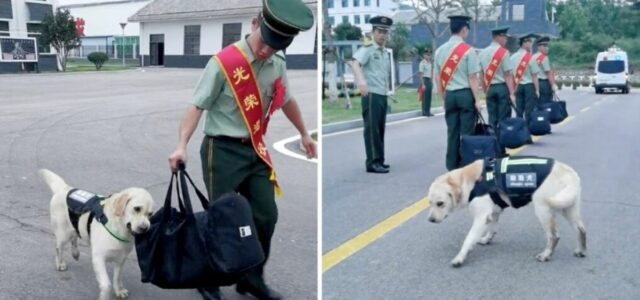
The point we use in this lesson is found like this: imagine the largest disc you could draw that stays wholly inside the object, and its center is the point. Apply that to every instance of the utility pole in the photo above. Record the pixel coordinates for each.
(123, 24)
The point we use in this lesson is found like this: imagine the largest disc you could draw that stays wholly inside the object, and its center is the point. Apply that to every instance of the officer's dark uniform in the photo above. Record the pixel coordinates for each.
(229, 161)
(376, 69)
(459, 105)
(498, 107)
(546, 92)
(526, 99)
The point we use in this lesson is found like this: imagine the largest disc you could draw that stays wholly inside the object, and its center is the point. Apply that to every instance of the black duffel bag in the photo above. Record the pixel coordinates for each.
(513, 132)
(185, 250)
(557, 109)
(539, 123)
(482, 144)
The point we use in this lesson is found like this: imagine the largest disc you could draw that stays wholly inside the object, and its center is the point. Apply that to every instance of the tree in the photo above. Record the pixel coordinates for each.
(473, 9)
(59, 30)
(98, 59)
(429, 12)
(347, 32)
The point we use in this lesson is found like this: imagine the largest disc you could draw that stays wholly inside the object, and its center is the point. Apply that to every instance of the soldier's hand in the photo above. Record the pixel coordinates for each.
(364, 90)
(180, 155)
(478, 106)
(309, 146)
(512, 97)
(537, 94)
(554, 88)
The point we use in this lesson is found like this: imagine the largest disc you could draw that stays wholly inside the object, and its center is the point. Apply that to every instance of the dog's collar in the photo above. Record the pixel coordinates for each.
(115, 236)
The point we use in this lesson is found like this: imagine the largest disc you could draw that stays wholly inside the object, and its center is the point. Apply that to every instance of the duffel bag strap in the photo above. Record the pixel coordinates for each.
(201, 196)
(514, 107)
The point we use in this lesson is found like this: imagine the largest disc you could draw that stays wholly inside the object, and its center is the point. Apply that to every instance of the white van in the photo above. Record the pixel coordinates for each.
(612, 70)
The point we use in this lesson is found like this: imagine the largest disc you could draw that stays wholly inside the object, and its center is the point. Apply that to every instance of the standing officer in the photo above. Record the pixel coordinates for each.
(497, 77)
(240, 88)
(526, 77)
(456, 69)
(546, 77)
(372, 68)
(426, 73)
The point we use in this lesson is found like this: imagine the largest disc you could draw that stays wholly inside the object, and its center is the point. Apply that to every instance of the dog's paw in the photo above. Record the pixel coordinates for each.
(579, 253)
(542, 257)
(485, 240)
(61, 266)
(122, 293)
(457, 262)
(75, 254)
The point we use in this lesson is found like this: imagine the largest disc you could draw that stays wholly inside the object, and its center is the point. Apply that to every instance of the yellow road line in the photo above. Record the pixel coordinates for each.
(357, 243)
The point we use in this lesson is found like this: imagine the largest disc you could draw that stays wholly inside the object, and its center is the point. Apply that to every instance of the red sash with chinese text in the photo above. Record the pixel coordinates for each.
(246, 91)
(451, 64)
(522, 66)
(540, 58)
(496, 61)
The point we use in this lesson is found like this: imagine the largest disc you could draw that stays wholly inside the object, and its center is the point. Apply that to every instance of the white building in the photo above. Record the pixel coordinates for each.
(102, 29)
(22, 18)
(186, 33)
(358, 12)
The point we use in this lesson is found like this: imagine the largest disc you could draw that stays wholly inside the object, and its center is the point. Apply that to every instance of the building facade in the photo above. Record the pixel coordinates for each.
(22, 19)
(180, 33)
(358, 12)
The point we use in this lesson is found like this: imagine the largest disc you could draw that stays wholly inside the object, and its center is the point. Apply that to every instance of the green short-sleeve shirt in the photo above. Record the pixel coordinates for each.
(545, 66)
(376, 66)
(213, 93)
(486, 55)
(468, 65)
(425, 68)
(531, 69)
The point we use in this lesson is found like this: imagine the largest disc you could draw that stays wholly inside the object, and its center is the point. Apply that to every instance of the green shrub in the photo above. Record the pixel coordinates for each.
(98, 59)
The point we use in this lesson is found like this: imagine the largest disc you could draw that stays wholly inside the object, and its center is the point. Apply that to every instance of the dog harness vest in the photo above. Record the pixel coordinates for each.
(81, 202)
(517, 177)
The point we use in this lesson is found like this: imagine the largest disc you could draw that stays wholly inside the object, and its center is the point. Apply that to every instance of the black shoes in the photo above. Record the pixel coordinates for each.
(385, 166)
(375, 168)
(210, 293)
(261, 293)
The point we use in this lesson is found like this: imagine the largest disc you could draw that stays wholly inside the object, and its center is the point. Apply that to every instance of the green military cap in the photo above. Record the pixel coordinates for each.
(543, 40)
(458, 21)
(381, 22)
(282, 20)
(500, 30)
(527, 37)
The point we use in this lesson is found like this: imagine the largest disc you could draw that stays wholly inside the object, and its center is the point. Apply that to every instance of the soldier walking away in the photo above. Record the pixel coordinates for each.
(546, 77)
(526, 77)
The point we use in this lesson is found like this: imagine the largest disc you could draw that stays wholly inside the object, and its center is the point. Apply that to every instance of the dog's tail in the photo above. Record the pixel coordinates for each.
(54, 181)
(570, 195)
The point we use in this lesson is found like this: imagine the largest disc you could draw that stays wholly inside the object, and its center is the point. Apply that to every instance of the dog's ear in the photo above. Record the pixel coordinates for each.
(119, 204)
(453, 180)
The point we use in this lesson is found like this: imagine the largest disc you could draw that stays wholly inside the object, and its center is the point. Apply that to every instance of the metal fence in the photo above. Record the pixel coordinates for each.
(130, 51)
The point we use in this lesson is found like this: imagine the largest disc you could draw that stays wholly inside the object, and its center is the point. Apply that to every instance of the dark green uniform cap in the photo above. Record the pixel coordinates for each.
(381, 22)
(501, 30)
(282, 20)
(458, 21)
(527, 37)
(543, 40)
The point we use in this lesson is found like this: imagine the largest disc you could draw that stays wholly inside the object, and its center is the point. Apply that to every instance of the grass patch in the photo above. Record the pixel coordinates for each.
(84, 65)
(406, 100)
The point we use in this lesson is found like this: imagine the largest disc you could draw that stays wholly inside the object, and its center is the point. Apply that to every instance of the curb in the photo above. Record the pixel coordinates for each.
(352, 124)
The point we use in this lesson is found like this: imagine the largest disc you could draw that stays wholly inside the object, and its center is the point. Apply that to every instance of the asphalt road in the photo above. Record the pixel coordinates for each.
(104, 132)
(412, 261)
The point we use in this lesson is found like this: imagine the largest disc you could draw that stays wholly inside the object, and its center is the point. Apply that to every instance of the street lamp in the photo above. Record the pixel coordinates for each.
(123, 24)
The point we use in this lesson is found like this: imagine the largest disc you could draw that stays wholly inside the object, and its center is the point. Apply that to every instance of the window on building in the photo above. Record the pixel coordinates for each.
(367, 2)
(330, 3)
(6, 11)
(356, 3)
(345, 19)
(34, 30)
(192, 40)
(231, 33)
(345, 3)
(518, 12)
(356, 19)
(332, 21)
(4, 25)
(366, 18)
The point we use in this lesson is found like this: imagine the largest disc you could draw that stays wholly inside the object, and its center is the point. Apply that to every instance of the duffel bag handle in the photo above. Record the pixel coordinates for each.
(480, 120)
(167, 200)
(185, 191)
(514, 107)
(201, 196)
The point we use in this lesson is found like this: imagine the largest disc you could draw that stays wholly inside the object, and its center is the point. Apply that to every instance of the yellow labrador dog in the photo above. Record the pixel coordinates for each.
(558, 191)
(124, 214)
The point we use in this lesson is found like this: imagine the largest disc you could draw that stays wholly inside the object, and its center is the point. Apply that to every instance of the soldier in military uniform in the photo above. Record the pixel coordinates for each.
(497, 77)
(526, 77)
(546, 76)
(231, 158)
(426, 74)
(372, 69)
(456, 69)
